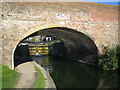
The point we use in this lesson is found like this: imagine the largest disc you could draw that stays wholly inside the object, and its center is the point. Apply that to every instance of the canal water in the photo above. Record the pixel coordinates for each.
(70, 74)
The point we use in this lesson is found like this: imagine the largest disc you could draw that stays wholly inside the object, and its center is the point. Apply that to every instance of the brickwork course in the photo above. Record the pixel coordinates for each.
(20, 19)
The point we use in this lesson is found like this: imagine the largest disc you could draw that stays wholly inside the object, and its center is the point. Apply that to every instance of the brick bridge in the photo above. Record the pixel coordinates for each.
(19, 20)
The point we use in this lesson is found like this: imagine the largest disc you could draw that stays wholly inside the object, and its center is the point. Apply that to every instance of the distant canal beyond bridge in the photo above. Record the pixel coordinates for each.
(71, 74)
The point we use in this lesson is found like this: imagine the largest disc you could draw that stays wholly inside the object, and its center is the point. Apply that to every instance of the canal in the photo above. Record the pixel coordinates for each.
(71, 74)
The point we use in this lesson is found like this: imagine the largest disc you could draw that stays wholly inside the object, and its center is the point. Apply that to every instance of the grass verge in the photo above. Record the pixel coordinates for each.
(9, 77)
(0, 76)
(40, 81)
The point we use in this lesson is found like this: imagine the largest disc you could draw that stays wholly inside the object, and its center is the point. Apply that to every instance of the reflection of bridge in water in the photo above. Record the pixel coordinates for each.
(40, 48)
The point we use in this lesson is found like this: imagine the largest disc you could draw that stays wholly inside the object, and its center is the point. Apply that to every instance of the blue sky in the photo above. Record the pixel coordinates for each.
(111, 2)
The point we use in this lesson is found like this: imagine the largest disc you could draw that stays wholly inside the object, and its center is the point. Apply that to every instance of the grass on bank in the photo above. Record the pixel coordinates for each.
(9, 77)
(0, 76)
(40, 81)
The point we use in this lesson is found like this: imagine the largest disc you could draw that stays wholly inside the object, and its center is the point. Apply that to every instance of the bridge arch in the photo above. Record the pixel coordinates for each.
(78, 46)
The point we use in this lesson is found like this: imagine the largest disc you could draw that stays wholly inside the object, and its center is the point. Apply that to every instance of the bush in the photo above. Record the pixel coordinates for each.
(109, 61)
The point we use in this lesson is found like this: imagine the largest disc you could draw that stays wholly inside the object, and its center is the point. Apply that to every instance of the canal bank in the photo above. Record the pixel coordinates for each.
(28, 75)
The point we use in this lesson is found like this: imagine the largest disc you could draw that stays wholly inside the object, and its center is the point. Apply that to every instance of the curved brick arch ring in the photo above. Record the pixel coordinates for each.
(78, 46)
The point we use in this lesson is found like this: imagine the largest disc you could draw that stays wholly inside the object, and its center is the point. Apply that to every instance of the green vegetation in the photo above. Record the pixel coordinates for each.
(109, 61)
(0, 76)
(9, 77)
(40, 82)
(33, 39)
(58, 41)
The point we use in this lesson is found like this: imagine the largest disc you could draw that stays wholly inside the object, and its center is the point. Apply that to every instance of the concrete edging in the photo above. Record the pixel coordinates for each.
(48, 79)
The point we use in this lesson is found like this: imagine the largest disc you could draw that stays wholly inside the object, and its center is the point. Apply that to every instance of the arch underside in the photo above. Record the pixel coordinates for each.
(77, 46)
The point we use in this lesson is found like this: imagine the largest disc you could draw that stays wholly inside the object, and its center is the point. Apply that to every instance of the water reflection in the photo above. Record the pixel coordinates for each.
(69, 74)
(44, 62)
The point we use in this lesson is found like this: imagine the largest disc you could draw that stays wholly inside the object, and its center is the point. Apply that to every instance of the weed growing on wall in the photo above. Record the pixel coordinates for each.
(109, 61)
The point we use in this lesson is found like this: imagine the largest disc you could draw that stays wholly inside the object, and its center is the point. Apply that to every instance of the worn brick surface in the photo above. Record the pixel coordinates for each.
(99, 22)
